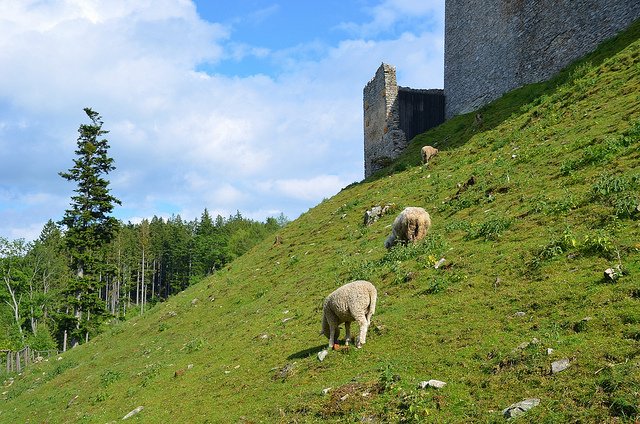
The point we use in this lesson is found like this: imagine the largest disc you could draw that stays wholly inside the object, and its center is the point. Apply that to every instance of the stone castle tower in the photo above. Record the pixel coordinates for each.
(494, 46)
(491, 47)
(394, 115)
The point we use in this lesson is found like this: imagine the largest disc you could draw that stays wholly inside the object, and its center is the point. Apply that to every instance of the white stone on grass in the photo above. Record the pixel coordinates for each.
(134, 412)
(560, 365)
(436, 384)
(520, 408)
(323, 354)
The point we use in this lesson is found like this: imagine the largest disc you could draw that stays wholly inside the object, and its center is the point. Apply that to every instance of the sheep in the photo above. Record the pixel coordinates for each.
(479, 120)
(410, 225)
(427, 153)
(354, 301)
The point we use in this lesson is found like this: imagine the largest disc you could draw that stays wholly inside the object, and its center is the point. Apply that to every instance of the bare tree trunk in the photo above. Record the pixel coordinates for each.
(34, 273)
(128, 289)
(153, 280)
(78, 310)
(45, 289)
(14, 305)
(106, 294)
(138, 288)
(78, 315)
(144, 292)
(32, 318)
(114, 296)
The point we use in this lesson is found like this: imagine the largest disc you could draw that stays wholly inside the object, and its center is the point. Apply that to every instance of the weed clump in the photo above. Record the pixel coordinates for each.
(618, 192)
(490, 230)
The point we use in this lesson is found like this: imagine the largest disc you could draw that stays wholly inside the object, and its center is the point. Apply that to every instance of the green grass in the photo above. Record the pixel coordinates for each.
(556, 170)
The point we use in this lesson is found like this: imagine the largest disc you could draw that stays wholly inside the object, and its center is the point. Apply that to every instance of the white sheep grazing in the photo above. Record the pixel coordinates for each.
(427, 153)
(355, 301)
(410, 225)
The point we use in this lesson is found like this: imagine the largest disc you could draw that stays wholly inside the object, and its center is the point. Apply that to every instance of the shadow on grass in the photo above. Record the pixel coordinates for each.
(307, 352)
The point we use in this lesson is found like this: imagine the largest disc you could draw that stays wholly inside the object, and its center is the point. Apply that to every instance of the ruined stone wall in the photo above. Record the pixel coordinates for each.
(494, 46)
(383, 138)
(393, 116)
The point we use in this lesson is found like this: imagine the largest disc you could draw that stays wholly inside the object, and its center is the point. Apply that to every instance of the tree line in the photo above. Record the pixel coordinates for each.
(89, 268)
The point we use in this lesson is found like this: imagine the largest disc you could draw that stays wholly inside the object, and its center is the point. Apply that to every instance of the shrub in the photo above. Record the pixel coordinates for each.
(598, 243)
(457, 225)
(558, 246)
(108, 377)
(193, 345)
(440, 283)
(432, 244)
(491, 229)
(609, 184)
(631, 136)
(42, 339)
(617, 192)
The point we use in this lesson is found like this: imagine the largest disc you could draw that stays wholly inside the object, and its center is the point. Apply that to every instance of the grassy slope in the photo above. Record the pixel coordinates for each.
(529, 236)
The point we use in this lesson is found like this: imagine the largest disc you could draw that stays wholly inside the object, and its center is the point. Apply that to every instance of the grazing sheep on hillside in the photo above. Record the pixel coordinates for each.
(427, 153)
(355, 301)
(410, 225)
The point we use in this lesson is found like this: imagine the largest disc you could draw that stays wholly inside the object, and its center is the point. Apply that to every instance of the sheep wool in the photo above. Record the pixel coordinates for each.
(410, 225)
(427, 153)
(355, 301)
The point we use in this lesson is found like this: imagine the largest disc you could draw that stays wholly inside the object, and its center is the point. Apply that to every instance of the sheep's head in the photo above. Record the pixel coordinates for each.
(390, 241)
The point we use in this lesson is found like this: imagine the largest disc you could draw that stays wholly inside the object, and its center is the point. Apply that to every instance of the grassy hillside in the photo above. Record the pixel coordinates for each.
(557, 186)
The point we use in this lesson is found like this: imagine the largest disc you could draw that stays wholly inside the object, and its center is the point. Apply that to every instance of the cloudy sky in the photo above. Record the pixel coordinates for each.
(249, 105)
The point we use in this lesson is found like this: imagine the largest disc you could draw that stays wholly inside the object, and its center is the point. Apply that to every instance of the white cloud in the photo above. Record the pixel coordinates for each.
(239, 51)
(314, 188)
(182, 139)
(227, 195)
(390, 12)
(63, 53)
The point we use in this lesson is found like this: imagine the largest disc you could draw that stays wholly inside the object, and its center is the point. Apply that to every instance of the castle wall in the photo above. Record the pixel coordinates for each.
(494, 46)
(383, 138)
(393, 116)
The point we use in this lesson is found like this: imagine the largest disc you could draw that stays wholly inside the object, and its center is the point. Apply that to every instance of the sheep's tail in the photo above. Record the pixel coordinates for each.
(373, 298)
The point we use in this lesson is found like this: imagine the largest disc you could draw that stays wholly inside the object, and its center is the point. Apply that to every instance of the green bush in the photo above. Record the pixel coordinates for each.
(42, 339)
(598, 243)
(491, 229)
(618, 192)
(108, 377)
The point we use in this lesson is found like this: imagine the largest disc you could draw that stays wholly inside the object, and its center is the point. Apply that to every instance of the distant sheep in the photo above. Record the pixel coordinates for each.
(355, 301)
(410, 225)
(427, 153)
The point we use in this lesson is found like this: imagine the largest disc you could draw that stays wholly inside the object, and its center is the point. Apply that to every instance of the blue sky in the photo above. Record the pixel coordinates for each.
(249, 105)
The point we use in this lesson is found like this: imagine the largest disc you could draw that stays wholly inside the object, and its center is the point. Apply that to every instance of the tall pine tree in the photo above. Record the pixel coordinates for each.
(89, 227)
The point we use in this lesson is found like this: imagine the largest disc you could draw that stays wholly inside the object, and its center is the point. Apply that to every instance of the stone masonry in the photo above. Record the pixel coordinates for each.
(383, 138)
(394, 115)
(494, 46)
(491, 47)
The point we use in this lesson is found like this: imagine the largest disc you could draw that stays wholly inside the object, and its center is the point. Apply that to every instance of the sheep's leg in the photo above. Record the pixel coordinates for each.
(364, 326)
(347, 329)
(332, 334)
